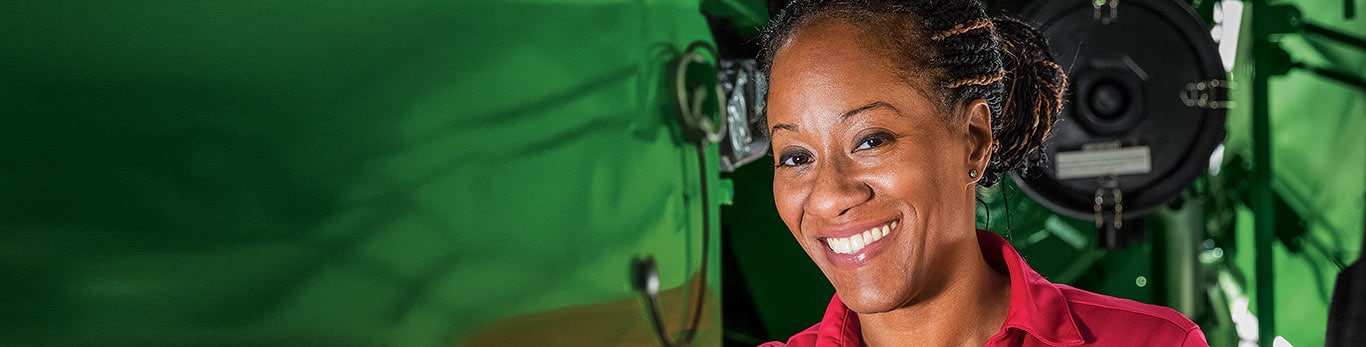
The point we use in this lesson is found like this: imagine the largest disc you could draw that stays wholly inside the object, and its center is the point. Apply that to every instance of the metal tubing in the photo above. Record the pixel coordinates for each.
(1335, 35)
(1263, 204)
(1335, 75)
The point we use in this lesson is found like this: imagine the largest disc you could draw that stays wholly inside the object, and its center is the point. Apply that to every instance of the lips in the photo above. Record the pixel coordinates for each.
(856, 242)
(855, 250)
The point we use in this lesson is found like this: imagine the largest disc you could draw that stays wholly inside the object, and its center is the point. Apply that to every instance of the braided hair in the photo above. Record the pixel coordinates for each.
(970, 56)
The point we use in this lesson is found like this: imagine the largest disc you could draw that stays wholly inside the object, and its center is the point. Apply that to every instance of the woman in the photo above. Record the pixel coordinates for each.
(885, 116)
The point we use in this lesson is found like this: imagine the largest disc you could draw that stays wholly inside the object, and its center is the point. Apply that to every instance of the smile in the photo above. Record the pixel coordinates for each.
(851, 244)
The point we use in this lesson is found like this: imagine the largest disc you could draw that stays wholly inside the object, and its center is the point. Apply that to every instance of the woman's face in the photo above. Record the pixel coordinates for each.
(872, 179)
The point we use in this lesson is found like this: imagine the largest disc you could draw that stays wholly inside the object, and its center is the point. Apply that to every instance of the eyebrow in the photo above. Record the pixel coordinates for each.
(873, 105)
(783, 126)
(850, 113)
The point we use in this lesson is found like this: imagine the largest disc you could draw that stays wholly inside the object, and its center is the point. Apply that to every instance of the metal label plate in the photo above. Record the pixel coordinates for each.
(1102, 162)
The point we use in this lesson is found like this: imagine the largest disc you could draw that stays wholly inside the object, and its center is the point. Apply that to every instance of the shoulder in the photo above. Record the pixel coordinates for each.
(1098, 306)
(1107, 318)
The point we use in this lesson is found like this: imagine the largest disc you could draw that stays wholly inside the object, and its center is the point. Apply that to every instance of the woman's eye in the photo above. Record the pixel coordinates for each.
(873, 141)
(794, 159)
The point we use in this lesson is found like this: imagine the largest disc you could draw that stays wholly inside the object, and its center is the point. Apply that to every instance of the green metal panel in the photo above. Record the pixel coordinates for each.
(379, 173)
(1318, 167)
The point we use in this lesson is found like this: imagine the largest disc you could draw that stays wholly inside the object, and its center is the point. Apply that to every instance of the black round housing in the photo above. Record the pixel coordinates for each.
(1133, 69)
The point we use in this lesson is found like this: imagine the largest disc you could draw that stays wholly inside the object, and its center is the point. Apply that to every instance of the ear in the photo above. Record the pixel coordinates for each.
(977, 132)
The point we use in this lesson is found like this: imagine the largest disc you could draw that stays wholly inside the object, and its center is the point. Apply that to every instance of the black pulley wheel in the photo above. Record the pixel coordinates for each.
(1144, 109)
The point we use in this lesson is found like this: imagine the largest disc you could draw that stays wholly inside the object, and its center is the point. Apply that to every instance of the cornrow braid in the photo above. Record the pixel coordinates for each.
(962, 28)
(971, 56)
(979, 80)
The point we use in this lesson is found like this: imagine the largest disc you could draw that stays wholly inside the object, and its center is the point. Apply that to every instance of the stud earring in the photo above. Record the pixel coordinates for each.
(972, 173)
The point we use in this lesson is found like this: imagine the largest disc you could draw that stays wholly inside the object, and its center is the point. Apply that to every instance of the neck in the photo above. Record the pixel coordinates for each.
(969, 311)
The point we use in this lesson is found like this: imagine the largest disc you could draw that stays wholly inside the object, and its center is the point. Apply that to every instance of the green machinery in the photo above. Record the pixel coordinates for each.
(393, 173)
(422, 173)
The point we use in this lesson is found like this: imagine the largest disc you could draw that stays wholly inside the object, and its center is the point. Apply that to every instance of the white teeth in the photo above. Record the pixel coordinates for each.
(856, 242)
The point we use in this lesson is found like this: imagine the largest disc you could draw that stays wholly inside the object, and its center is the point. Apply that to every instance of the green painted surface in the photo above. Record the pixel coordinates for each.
(1319, 169)
(397, 173)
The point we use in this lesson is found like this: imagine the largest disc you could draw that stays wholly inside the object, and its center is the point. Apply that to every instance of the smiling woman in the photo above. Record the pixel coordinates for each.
(885, 117)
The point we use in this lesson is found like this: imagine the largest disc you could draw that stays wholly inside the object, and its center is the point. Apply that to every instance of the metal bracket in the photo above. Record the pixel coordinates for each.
(1115, 203)
(1211, 94)
(1109, 213)
(744, 85)
(1106, 11)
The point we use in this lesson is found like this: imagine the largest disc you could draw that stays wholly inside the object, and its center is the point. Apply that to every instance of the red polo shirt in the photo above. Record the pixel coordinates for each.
(1041, 314)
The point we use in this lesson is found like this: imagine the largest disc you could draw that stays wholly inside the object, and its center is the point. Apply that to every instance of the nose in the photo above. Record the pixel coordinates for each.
(836, 190)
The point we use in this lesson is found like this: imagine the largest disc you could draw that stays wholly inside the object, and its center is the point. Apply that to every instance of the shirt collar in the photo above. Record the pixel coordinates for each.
(839, 327)
(1037, 306)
